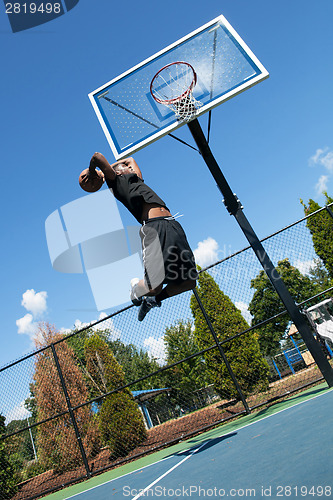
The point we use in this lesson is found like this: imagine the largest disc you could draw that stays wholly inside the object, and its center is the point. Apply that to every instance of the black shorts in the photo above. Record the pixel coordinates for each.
(167, 256)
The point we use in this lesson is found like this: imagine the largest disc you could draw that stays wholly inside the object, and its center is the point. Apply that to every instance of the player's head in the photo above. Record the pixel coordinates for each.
(91, 183)
(122, 168)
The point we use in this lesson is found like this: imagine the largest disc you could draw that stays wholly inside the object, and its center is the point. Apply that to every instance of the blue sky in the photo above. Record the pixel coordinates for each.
(274, 142)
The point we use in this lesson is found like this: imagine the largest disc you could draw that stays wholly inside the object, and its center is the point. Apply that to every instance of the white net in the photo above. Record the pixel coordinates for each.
(173, 86)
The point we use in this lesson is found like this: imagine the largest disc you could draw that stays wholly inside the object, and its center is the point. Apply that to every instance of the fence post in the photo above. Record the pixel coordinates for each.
(210, 326)
(329, 211)
(70, 409)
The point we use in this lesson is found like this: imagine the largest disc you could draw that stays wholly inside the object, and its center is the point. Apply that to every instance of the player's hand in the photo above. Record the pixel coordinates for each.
(91, 181)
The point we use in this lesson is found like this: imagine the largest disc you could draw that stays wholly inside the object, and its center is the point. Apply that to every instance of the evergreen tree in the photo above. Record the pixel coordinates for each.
(120, 420)
(243, 353)
(266, 303)
(321, 229)
(7, 481)
(56, 440)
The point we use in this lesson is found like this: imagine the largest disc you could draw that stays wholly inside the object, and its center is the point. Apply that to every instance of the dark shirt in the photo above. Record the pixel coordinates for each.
(132, 192)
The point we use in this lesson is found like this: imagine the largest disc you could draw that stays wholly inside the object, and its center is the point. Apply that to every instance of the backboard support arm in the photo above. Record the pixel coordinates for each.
(234, 207)
(211, 85)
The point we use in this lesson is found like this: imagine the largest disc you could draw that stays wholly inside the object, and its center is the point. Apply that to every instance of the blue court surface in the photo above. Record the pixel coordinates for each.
(284, 454)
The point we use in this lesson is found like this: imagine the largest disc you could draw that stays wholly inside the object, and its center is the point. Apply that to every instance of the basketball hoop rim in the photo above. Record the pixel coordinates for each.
(179, 98)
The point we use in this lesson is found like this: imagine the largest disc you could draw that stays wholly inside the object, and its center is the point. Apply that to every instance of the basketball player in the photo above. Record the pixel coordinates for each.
(167, 256)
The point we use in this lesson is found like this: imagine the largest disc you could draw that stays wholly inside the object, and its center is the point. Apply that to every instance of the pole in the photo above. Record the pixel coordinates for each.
(71, 412)
(32, 441)
(234, 207)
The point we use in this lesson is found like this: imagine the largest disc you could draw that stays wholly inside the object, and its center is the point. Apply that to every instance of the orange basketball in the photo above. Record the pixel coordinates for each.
(89, 183)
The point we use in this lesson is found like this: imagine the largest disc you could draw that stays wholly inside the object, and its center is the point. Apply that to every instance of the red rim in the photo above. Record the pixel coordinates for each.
(175, 99)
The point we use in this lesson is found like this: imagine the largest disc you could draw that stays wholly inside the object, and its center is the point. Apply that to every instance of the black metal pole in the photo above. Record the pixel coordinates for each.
(71, 412)
(329, 211)
(222, 353)
(234, 208)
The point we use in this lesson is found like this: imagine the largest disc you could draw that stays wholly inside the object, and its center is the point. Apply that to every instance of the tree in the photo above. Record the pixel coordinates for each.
(56, 440)
(7, 481)
(120, 420)
(76, 341)
(320, 277)
(190, 375)
(321, 229)
(135, 363)
(243, 353)
(266, 303)
(19, 446)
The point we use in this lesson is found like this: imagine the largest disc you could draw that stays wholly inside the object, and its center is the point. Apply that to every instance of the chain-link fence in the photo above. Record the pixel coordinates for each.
(119, 389)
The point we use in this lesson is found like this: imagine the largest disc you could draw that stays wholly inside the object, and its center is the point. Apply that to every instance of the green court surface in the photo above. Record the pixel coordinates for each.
(91, 486)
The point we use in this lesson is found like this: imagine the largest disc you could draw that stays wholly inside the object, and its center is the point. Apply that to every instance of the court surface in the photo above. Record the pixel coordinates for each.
(281, 452)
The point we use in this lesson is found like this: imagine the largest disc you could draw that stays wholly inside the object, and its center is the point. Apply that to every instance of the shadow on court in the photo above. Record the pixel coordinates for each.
(204, 447)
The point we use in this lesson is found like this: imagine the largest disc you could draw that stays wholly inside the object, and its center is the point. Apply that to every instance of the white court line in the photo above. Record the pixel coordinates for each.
(197, 449)
(120, 477)
(168, 472)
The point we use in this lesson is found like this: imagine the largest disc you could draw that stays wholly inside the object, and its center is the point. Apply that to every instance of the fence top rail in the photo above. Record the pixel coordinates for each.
(269, 236)
(116, 313)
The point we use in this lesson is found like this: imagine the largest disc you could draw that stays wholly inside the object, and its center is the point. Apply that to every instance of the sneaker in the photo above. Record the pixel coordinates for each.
(147, 304)
(137, 301)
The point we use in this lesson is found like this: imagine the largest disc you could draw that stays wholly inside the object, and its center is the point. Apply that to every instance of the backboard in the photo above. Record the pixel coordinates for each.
(225, 66)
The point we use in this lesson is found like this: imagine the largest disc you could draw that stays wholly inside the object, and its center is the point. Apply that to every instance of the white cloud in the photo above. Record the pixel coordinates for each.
(78, 325)
(34, 302)
(26, 325)
(206, 252)
(18, 413)
(65, 331)
(314, 159)
(114, 334)
(304, 266)
(323, 158)
(244, 309)
(156, 348)
(322, 184)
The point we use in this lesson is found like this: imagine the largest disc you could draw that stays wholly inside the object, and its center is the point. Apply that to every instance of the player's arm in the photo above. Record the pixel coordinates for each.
(99, 161)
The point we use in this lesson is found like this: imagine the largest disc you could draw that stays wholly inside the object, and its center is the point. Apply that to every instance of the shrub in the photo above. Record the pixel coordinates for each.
(120, 420)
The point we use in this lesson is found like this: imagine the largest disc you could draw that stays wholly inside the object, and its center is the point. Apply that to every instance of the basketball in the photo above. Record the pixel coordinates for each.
(89, 183)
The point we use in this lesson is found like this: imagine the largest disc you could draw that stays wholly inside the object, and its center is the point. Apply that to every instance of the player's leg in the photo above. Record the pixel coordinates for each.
(139, 289)
(154, 272)
(155, 299)
(173, 289)
(179, 265)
